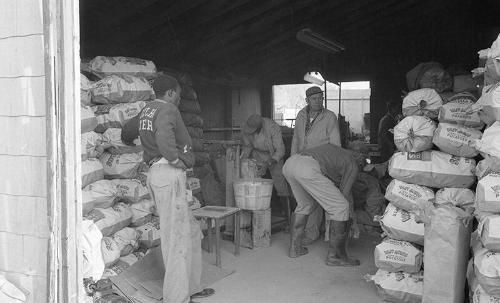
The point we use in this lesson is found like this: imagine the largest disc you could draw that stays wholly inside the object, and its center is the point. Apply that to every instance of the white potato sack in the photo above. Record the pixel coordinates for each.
(489, 164)
(112, 219)
(458, 197)
(105, 66)
(394, 255)
(121, 89)
(110, 251)
(487, 270)
(407, 196)
(489, 102)
(433, 169)
(122, 264)
(127, 240)
(414, 134)
(92, 171)
(118, 115)
(456, 140)
(100, 194)
(398, 287)
(124, 166)
(457, 111)
(479, 295)
(113, 136)
(142, 212)
(489, 143)
(488, 193)
(85, 87)
(489, 231)
(131, 189)
(88, 119)
(91, 145)
(93, 265)
(400, 224)
(422, 102)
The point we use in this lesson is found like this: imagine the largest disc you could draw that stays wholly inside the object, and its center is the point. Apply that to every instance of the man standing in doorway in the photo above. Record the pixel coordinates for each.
(167, 151)
(262, 141)
(385, 126)
(314, 126)
(323, 176)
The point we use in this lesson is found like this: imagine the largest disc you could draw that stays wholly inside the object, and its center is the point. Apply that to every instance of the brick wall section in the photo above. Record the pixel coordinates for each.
(23, 197)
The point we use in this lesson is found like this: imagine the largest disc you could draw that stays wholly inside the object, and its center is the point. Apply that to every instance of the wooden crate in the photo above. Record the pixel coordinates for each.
(259, 233)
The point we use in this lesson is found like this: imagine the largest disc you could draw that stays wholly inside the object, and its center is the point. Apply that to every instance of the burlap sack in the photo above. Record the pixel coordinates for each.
(195, 132)
(447, 238)
(458, 197)
(488, 193)
(490, 141)
(118, 115)
(433, 169)
(93, 265)
(192, 120)
(112, 219)
(398, 287)
(122, 264)
(106, 66)
(422, 102)
(488, 165)
(479, 295)
(125, 166)
(131, 190)
(127, 240)
(89, 120)
(456, 140)
(429, 75)
(399, 224)
(85, 88)
(189, 106)
(487, 270)
(407, 196)
(394, 255)
(121, 89)
(110, 251)
(414, 134)
(91, 145)
(92, 171)
(100, 194)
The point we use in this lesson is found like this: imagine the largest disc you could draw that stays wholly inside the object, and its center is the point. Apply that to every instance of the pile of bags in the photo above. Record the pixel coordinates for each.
(484, 267)
(430, 200)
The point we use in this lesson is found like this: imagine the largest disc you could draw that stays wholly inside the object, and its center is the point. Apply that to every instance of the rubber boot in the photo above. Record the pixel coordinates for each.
(296, 235)
(337, 252)
(285, 204)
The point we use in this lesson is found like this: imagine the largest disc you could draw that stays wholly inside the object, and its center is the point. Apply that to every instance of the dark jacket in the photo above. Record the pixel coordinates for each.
(386, 138)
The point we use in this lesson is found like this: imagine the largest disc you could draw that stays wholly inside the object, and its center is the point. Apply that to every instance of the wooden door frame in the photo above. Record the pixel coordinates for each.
(62, 70)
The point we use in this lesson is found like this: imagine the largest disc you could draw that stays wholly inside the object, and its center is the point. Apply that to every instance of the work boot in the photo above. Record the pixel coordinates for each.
(296, 234)
(285, 204)
(337, 252)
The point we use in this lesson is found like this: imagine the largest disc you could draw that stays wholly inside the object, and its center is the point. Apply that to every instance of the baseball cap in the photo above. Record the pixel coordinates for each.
(252, 124)
(313, 91)
(163, 83)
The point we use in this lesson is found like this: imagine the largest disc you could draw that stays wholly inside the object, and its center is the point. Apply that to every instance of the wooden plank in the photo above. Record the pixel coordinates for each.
(23, 254)
(23, 136)
(20, 17)
(34, 286)
(22, 96)
(24, 215)
(25, 56)
(23, 175)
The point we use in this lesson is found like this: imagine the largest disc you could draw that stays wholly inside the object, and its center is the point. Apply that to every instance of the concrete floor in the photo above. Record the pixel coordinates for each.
(268, 275)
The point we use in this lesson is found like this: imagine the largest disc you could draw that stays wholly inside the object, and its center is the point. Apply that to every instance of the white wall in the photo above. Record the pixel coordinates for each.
(23, 181)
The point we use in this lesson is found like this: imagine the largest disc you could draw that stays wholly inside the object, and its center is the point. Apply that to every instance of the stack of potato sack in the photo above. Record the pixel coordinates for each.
(119, 222)
(484, 268)
(190, 111)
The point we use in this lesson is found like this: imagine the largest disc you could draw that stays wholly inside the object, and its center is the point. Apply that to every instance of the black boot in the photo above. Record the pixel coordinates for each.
(337, 252)
(296, 235)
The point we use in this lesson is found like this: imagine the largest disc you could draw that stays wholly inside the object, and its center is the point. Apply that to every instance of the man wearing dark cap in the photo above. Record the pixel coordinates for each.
(262, 141)
(314, 126)
(167, 151)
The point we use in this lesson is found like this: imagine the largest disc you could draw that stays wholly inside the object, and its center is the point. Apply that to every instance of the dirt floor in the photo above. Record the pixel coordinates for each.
(268, 275)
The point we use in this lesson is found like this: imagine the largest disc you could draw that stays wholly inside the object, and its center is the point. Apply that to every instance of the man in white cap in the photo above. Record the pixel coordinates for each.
(262, 141)
(314, 126)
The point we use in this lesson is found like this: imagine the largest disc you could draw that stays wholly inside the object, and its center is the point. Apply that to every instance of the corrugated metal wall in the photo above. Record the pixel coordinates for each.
(23, 196)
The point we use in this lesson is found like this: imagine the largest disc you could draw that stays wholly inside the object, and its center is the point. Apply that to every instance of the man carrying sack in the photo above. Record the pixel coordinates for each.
(323, 176)
(167, 151)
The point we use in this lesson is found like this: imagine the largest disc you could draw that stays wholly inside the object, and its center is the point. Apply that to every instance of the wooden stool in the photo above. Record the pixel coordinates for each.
(215, 214)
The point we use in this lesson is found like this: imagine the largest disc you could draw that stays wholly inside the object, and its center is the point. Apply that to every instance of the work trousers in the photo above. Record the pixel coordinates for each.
(311, 188)
(180, 233)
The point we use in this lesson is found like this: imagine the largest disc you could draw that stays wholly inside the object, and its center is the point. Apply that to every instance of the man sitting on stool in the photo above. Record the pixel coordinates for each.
(323, 175)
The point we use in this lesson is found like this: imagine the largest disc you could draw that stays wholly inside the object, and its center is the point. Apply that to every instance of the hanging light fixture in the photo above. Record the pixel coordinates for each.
(316, 40)
(314, 78)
